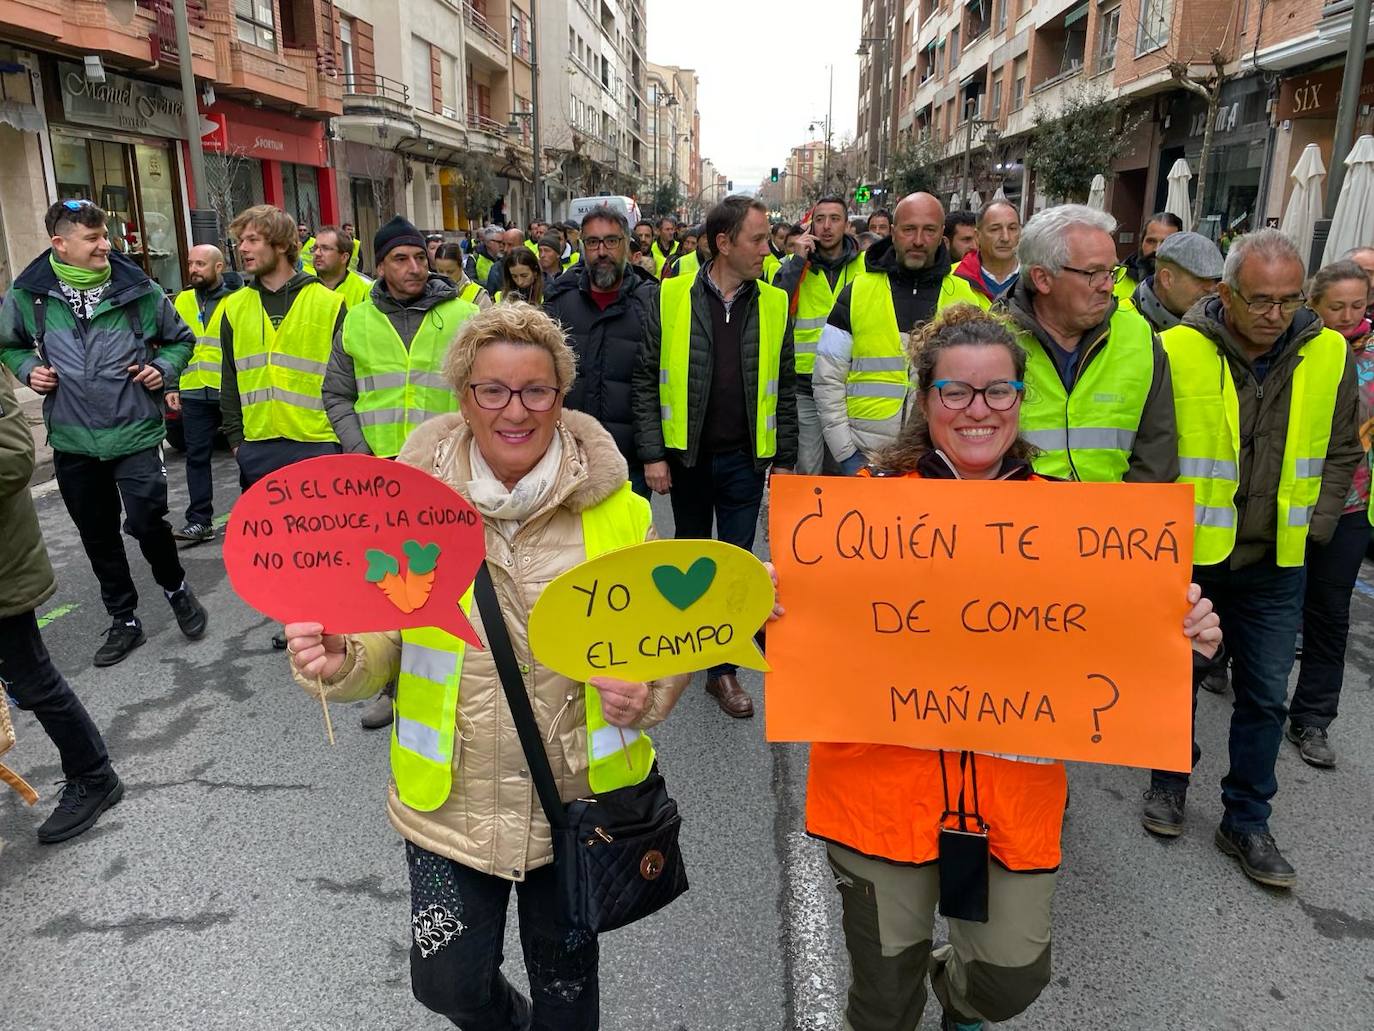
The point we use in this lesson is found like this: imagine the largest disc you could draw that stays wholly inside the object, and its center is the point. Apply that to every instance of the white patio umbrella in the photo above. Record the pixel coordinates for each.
(1097, 193)
(1353, 223)
(1305, 204)
(954, 203)
(1178, 200)
(1000, 195)
(975, 200)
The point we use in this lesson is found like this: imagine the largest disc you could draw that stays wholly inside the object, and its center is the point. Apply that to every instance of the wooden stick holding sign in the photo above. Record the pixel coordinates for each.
(1032, 618)
(357, 543)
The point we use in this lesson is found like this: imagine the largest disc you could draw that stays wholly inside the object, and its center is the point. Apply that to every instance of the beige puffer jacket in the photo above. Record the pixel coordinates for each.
(492, 821)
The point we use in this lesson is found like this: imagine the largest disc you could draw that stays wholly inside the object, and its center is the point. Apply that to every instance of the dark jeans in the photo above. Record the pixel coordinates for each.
(725, 490)
(92, 489)
(458, 927)
(37, 687)
(1260, 607)
(1332, 569)
(257, 458)
(199, 421)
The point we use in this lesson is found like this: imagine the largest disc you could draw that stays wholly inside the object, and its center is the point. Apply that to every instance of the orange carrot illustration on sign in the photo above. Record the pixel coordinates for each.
(410, 591)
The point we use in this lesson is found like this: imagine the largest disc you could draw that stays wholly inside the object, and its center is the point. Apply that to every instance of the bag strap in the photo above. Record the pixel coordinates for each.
(40, 325)
(498, 642)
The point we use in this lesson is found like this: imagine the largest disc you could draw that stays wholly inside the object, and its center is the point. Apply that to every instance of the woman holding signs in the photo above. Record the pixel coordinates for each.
(552, 490)
(978, 835)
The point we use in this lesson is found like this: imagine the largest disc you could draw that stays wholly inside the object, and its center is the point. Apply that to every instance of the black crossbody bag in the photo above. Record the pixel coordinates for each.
(615, 854)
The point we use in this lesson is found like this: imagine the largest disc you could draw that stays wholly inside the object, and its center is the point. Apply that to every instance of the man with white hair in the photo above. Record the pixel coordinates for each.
(1098, 402)
(1267, 406)
(486, 256)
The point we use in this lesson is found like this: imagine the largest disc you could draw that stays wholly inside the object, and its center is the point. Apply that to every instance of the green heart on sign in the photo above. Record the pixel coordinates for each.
(681, 589)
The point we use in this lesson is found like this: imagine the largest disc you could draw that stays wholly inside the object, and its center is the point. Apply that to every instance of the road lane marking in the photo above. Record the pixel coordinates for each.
(58, 613)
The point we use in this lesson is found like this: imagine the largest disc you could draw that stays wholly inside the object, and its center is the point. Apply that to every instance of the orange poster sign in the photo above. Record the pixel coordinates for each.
(1040, 619)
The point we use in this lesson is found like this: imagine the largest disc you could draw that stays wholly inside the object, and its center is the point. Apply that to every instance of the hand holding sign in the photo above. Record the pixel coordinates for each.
(653, 610)
(357, 544)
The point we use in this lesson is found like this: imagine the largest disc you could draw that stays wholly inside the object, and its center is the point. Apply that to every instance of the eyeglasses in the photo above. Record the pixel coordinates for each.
(495, 396)
(1000, 395)
(1099, 277)
(1288, 305)
(596, 243)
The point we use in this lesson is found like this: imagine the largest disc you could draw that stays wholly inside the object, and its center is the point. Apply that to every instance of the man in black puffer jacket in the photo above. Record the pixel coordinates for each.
(603, 306)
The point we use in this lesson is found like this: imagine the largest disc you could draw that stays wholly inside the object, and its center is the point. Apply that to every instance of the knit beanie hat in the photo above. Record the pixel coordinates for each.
(396, 233)
(552, 241)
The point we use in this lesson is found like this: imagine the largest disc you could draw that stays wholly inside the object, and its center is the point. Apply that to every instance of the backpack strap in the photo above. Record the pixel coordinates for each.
(40, 325)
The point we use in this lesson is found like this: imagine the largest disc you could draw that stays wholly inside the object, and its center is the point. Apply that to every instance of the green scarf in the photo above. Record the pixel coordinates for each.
(79, 278)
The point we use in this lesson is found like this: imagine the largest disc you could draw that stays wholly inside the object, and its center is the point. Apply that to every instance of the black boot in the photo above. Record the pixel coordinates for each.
(1163, 812)
(123, 637)
(82, 802)
(1259, 857)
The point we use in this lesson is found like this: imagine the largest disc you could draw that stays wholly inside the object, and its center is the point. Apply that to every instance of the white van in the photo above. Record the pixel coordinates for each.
(581, 207)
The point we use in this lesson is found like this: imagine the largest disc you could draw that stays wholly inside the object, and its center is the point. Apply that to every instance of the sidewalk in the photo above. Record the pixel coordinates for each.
(32, 404)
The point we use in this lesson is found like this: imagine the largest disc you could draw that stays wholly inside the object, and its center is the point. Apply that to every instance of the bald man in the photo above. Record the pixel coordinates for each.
(861, 378)
(197, 396)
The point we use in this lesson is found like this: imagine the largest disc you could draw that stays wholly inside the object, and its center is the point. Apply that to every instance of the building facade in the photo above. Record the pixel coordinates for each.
(672, 131)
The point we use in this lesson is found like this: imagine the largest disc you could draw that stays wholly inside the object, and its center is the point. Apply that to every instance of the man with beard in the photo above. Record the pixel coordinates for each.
(602, 306)
(862, 376)
(198, 396)
(1140, 266)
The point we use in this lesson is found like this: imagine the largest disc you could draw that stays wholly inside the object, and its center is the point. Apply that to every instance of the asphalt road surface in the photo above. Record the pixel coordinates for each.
(249, 879)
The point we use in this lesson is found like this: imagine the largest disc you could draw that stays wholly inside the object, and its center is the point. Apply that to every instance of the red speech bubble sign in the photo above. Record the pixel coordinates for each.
(357, 544)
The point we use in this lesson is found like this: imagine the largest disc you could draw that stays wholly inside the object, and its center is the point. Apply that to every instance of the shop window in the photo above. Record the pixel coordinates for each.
(256, 23)
(1153, 30)
(301, 193)
(1108, 25)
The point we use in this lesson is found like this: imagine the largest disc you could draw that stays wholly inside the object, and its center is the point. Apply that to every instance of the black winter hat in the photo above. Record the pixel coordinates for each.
(396, 233)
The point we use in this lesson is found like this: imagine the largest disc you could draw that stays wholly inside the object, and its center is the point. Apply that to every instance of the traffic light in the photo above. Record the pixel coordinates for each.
(773, 175)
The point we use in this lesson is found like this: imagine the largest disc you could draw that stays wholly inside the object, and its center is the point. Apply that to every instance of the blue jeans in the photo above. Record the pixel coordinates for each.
(199, 421)
(1260, 607)
(724, 489)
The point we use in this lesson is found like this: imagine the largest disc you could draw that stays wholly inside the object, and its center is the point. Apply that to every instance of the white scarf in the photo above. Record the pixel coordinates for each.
(507, 509)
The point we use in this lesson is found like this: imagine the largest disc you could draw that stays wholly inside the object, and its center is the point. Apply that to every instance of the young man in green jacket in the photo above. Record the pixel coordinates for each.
(89, 330)
(26, 581)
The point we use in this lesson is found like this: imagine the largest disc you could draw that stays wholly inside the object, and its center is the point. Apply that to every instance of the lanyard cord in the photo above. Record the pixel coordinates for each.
(968, 764)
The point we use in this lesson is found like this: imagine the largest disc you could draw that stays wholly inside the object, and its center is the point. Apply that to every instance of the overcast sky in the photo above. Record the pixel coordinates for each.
(755, 105)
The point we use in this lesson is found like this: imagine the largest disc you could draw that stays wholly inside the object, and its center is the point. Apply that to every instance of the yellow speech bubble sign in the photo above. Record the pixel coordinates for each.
(653, 610)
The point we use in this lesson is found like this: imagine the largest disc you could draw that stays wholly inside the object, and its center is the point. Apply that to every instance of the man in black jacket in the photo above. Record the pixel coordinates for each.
(603, 306)
(704, 428)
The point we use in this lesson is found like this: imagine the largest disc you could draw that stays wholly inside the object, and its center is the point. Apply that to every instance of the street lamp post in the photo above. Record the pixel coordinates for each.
(880, 79)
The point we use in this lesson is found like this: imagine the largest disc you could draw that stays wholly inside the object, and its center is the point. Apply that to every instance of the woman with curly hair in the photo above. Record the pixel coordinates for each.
(880, 808)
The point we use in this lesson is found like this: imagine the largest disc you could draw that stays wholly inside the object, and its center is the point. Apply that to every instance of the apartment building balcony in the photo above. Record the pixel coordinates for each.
(131, 35)
(376, 110)
(482, 40)
(291, 65)
(1327, 37)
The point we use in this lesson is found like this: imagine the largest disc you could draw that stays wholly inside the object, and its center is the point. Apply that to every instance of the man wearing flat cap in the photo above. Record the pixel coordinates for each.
(1187, 268)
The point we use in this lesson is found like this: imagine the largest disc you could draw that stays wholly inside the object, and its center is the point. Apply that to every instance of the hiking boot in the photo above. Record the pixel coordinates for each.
(1163, 812)
(191, 616)
(378, 713)
(195, 532)
(1259, 857)
(1312, 745)
(1216, 680)
(123, 637)
(82, 802)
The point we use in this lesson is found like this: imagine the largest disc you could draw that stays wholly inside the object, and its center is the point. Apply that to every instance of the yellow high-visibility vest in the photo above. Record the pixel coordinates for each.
(427, 690)
(281, 369)
(203, 370)
(1207, 410)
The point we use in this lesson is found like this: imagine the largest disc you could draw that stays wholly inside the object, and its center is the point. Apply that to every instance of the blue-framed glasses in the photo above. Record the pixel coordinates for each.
(1000, 395)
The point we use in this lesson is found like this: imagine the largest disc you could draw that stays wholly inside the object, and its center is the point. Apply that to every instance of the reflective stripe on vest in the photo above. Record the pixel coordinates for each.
(1209, 439)
(204, 368)
(398, 387)
(1088, 434)
(354, 289)
(879, 378)
(280, 388)
(427, 691)
(675, 318)
(815, 298)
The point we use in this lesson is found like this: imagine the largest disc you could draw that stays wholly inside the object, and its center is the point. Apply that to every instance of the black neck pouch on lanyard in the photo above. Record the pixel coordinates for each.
(964, 852)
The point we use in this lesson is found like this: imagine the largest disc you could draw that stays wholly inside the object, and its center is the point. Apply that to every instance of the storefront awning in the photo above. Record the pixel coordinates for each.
(24, 117)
